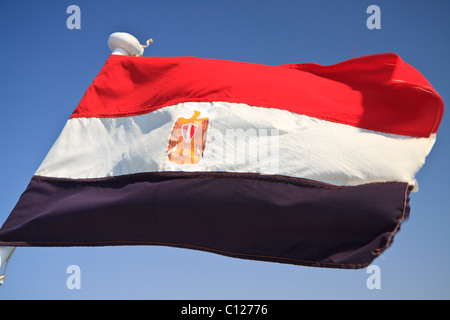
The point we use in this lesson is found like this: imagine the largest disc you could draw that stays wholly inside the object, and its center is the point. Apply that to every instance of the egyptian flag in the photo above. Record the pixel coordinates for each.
(302, 164)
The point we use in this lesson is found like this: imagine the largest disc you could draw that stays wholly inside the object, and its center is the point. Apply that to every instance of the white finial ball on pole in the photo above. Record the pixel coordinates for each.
(122, 43)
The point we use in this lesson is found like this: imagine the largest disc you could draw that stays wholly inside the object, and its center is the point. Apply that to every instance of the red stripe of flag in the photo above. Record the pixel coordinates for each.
(378, 92)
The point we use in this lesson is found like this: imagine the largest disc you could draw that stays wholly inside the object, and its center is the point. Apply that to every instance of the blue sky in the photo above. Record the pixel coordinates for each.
(45, 69)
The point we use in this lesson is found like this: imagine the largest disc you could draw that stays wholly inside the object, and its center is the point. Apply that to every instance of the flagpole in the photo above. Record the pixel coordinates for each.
(5, 254)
